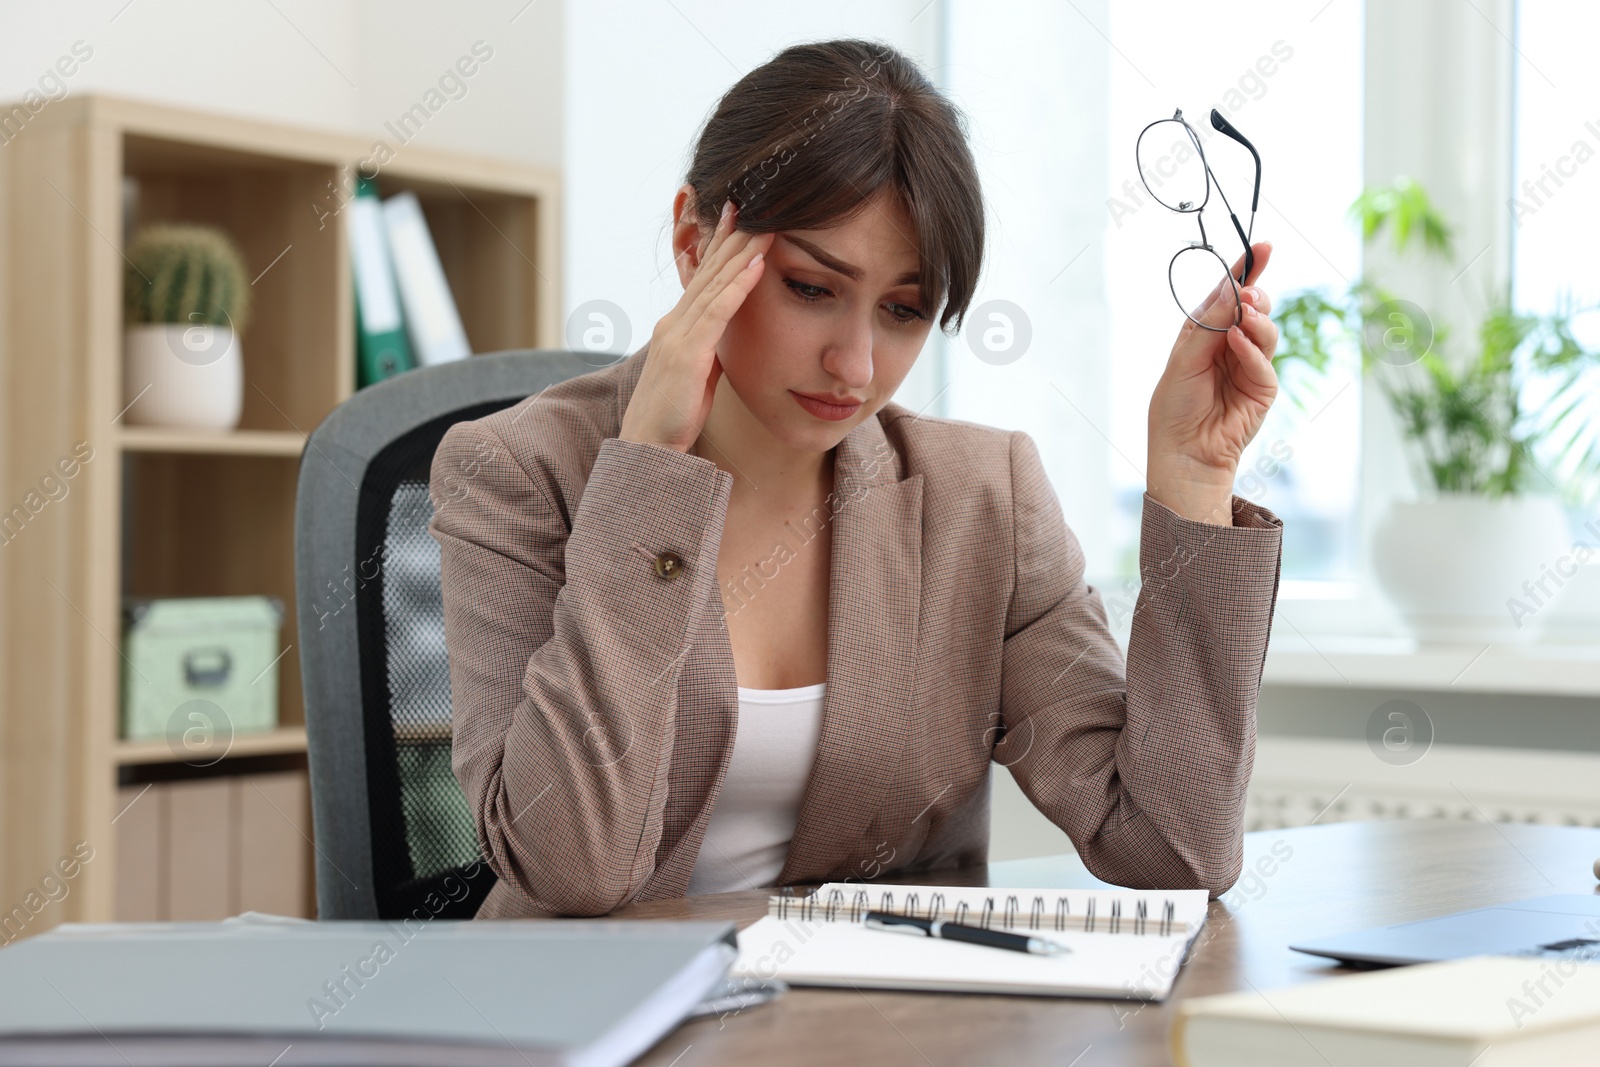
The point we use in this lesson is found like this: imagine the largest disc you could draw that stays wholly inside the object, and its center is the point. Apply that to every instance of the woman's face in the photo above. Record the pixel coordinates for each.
(835, 314)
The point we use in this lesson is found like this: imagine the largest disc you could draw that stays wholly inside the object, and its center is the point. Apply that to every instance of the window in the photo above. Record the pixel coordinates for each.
(1556, 166)
(1294, 88)
(1056, 96)
(1555, 181)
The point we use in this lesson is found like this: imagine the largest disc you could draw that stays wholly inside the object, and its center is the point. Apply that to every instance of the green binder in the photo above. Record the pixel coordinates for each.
(382, 350)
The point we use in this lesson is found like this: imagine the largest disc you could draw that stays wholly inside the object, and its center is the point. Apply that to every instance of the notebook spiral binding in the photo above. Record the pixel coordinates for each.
(811, 908)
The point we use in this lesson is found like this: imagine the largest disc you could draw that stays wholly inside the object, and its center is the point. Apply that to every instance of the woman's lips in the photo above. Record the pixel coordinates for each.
(824, 410)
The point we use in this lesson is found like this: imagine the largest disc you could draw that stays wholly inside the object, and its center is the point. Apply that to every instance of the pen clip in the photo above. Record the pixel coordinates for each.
(897, 924)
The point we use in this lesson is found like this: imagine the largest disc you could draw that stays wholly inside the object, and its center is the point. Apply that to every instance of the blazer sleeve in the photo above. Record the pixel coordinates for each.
(1143, 763)
(565, 648)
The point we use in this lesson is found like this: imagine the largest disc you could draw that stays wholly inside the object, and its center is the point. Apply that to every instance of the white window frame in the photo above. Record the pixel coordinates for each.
(1454, 70)
(1453, 67)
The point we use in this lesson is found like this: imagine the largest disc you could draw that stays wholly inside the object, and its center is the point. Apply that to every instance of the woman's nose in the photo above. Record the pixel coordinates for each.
(849, 357)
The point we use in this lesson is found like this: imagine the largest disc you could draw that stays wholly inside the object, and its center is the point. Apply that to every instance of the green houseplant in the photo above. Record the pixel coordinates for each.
(1493, 431)
(186, 299)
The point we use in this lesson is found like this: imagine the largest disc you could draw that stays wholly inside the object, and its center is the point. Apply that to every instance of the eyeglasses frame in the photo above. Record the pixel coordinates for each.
(1220, 123)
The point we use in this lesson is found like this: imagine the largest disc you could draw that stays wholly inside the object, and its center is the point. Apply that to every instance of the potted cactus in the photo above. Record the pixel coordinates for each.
(186, 300)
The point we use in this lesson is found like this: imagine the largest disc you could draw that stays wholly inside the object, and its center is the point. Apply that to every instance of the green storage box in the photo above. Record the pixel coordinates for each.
(207, 664)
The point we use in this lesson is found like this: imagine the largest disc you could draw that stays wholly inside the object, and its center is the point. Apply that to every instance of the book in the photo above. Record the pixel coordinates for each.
(1482, 1011)
(382, 350)
(432, 321)
(1126, 944)
(255, 990)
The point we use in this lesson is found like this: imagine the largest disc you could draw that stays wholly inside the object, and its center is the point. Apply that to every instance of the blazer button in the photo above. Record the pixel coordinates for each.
(668, 564)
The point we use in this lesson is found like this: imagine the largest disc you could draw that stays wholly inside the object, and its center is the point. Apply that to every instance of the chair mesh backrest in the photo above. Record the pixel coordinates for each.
(423, 835)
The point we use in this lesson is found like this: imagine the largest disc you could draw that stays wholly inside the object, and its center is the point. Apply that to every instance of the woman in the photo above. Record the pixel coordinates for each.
(724, 615)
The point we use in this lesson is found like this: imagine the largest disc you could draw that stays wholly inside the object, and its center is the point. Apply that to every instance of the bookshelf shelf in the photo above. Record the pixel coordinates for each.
(166, 512)
(266, 743)
(208, 442)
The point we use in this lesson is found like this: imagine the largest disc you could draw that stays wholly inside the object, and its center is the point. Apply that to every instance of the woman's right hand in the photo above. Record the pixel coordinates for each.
(670, 404)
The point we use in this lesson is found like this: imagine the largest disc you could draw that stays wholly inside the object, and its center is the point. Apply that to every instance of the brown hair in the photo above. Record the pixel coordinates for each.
(805, 139)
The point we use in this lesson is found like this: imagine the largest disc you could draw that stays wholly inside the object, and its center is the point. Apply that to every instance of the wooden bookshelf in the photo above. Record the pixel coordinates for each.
(285, 740)
(174, 512)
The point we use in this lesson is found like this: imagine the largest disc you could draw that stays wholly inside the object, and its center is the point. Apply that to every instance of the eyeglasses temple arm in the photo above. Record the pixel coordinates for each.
(1249, 253)
(1222, 124)
(1226, 127)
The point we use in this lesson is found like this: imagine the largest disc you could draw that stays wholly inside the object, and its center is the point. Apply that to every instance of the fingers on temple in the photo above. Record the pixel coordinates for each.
(722, 261)
(725, 292)
(732, 267)
(716, 246)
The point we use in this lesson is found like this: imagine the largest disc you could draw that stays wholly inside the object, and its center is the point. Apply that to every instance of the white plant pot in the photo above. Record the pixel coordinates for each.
(182, 375)
(1464, 568)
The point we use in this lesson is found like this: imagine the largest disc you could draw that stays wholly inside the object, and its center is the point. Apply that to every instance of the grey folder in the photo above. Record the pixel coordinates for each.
(1561, 926)
(587, 993)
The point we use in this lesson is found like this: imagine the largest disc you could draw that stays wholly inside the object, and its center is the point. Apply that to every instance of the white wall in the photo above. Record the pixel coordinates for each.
(512, 106)
(346, 65)
(644, 77)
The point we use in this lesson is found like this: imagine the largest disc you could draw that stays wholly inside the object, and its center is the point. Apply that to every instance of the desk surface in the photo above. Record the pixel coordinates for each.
(1322, 880)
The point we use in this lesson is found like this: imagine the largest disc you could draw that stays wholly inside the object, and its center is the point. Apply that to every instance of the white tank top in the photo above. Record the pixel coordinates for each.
(747, 839)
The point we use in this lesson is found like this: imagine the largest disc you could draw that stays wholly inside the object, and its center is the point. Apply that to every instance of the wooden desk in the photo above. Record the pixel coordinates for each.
(1335, 878)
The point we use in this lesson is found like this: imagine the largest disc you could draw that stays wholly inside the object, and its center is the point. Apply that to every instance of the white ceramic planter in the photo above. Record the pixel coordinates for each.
(178, 375)
(1464, 568)
(1577, 619)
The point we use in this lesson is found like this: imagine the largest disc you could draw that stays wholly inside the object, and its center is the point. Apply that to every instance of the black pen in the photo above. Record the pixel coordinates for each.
(977, 935)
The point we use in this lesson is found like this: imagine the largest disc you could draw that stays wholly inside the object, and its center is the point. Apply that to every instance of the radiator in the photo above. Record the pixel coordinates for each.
(1299, 781)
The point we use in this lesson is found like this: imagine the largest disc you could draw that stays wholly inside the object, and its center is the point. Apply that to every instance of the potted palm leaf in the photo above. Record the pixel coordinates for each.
(1495, 435)
(186, 301)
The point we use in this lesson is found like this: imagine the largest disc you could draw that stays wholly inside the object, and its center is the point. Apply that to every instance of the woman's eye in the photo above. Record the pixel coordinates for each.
(905, 315)
(809, 293)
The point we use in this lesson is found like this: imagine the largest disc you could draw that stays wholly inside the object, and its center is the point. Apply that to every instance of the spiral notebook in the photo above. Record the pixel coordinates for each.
(1126, 944)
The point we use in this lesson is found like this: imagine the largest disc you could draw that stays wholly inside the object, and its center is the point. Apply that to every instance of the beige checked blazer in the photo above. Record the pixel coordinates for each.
(595, 697)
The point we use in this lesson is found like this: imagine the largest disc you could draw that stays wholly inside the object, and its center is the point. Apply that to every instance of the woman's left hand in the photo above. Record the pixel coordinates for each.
(1211, 401)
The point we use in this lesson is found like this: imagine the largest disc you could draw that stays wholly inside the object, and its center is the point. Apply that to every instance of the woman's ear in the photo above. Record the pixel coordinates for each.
(687, 236)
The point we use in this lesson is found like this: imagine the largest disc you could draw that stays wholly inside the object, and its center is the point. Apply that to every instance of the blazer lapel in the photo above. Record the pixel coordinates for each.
(874, 608)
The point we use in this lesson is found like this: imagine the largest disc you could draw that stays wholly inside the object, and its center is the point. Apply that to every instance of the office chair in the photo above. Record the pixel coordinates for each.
(394, 836)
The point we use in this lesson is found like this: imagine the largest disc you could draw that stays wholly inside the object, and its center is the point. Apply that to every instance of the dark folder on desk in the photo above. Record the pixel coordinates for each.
(587, 993)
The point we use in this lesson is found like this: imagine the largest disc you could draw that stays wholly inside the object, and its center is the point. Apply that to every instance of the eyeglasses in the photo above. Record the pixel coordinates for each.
(1169, 154)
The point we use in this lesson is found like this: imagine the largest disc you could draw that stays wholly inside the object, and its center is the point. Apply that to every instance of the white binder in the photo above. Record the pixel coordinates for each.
(432, 320)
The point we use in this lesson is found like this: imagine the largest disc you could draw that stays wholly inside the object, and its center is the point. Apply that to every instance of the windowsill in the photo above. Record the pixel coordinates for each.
(1302, 589)
(1329, 634)
(1551, 666)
